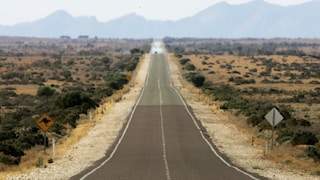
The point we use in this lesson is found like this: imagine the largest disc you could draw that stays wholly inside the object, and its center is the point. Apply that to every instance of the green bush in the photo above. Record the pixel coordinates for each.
(184, 61)
(178, 55)
(190, 67)
(254, 120)
(116, 80)
(39, 162)
(45, 91)
(128, 64)
(12, 75)
(304, 123)
(284, 134)
(75, 98)
(11, 150)
(9, 160)
(303, 137)
(196, 79)
(132, 64)
(314, 152)
(10, 155)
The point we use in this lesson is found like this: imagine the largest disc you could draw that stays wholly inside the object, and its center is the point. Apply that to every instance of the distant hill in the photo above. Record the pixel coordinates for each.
(255, 19)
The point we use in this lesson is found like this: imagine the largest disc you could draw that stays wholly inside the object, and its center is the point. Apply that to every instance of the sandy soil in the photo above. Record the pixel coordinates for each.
(100, 136)
(229, 138)
(104, 132)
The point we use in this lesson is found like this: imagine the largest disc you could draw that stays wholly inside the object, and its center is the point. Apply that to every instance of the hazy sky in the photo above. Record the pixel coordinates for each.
(17, 11)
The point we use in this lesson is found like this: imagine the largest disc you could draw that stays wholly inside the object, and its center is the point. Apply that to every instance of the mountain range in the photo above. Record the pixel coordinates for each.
(255, 19)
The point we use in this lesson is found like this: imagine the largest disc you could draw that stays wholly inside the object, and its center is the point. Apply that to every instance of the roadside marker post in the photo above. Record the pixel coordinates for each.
(53, 148)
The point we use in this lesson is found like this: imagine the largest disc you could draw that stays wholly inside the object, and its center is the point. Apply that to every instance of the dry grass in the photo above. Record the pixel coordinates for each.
(285, 156)
(22, 89)
(244, 64)
(28, 162)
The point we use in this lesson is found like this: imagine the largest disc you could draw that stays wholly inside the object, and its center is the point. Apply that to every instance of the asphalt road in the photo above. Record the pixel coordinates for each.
(163, 140)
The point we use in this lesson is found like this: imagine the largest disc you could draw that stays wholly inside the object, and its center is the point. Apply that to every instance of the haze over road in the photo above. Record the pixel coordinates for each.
(162, 140)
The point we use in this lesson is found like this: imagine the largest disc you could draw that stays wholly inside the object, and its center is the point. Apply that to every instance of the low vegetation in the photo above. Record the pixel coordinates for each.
(64, 78)
(249, 77)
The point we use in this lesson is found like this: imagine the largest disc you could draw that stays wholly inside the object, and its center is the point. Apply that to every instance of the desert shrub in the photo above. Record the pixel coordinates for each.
(39, 162)
(103, 92)
(235, 72)
(9, 160)
(178, 55)
(67, 75)
(284, 135)
(240, 80)
(196, 79)
(314, 82)
(222, 92)
(190, 67)
(304, 123)
(303, 137)
(70, 62)
(29, 140)
(10, 150)
(45, 91)
(314, 152)
(132, 64)
(263, 125)
(42, 63)
(129, 64)
(184, 61)
(75, 98)
(253, 70)
(136, 50)
(104, 63)
(254, 120)
(116, 80)
(9, 134)
(12, 75)
(71, 117)
(58, 128)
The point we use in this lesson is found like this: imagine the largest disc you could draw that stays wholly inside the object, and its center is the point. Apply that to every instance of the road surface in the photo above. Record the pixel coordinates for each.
(162, 140)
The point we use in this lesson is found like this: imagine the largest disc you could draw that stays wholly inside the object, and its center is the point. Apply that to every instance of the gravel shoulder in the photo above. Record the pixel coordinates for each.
(229, 138)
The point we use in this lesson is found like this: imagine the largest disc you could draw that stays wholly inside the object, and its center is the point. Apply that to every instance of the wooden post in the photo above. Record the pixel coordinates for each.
(44, 142)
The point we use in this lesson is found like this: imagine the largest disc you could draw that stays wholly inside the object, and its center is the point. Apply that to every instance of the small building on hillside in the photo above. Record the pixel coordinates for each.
(83, 37)
(65, 37)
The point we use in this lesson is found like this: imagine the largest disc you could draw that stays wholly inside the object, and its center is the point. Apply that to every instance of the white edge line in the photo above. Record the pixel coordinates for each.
(203, 137)
(124, 132)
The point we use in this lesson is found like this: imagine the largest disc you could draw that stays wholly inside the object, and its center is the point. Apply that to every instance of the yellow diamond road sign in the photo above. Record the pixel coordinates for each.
(45, 122)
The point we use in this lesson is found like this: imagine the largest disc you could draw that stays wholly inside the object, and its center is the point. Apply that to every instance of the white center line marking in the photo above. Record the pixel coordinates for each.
(166, 165)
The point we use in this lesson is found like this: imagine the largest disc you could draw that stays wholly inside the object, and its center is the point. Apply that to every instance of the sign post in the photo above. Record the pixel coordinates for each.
(44, 122)
(273, 117)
